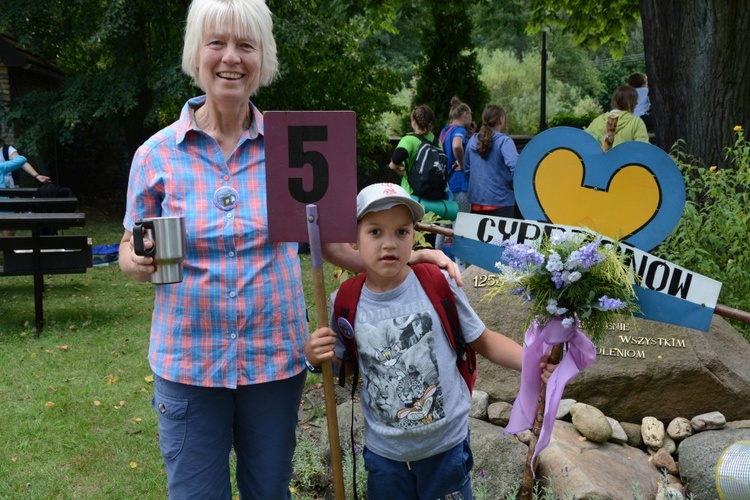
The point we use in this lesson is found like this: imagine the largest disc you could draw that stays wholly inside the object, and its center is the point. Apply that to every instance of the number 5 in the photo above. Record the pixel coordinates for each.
(298, 158)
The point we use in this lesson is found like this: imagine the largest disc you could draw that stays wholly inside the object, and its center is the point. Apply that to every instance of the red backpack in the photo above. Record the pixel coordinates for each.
(441, 296)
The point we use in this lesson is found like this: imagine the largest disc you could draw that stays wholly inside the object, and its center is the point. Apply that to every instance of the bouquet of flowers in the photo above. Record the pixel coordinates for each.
(575, 282)
(569, 276)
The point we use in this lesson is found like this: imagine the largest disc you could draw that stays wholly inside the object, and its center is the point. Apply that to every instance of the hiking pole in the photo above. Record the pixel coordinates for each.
(720, 309)
(329, 389)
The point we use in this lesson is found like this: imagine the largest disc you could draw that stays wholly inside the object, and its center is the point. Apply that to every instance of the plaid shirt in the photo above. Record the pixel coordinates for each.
(238, 317)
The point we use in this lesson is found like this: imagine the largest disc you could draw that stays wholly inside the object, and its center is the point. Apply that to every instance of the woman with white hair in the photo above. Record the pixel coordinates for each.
(226, 342)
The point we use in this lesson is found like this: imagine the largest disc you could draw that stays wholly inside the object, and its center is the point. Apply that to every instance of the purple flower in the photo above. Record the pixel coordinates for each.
(589, 256)
(521, 256)
(608, 304)
(557, 279)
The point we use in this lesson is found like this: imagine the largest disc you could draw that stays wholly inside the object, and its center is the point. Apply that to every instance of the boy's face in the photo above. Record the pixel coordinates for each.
(385, 240)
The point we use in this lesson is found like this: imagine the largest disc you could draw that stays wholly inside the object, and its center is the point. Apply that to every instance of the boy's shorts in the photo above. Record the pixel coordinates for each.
(446, 476)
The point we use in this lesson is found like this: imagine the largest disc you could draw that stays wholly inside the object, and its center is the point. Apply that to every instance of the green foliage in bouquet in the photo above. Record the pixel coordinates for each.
(573, 276)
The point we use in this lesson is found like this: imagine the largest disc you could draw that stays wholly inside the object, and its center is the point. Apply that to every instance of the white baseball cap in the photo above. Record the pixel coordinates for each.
(384, 195)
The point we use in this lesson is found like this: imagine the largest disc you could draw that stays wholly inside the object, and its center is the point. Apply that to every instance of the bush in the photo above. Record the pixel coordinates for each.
(712, 234)
(572, 120)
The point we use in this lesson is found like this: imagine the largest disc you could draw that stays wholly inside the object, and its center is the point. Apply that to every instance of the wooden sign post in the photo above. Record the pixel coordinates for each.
(311, 190)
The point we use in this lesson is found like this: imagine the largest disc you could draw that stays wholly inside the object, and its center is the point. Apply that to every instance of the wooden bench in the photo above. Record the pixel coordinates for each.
(38, 254)
(19, 192)
(38, 204)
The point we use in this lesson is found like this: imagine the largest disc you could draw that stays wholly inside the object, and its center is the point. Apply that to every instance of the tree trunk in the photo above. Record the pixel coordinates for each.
(698, 72)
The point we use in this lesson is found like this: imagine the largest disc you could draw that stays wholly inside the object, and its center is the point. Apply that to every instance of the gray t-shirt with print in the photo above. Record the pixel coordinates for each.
(414, 400)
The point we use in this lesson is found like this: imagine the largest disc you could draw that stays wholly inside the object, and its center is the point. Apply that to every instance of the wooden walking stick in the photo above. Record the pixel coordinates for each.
(527, 487)
(329, 389)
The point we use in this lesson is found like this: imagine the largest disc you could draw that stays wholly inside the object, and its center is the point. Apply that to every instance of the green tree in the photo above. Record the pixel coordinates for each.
(449, 66)
(501, 27)
(121, 61)
(123, 78)
(697, 75)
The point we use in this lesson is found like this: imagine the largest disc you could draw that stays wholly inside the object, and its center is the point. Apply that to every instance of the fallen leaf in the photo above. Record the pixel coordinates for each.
(32, 355)
(86, 323)
(97, 403)
(52, 389)
(133, 465)
(72, 327)
(14, 459)
(149, 379)
(49, 404)
(122, 403)
(138, 419)
(63, 347)
(111, 379)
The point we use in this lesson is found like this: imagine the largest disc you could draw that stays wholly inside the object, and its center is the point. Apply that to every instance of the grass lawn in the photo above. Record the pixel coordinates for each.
(75, 414)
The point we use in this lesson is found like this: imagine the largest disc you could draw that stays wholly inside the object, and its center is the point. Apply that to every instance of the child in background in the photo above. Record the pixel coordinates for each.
(639, 81)
(415, 402)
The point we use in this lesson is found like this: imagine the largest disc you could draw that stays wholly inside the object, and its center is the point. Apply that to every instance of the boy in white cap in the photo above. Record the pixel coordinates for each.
(415, 402)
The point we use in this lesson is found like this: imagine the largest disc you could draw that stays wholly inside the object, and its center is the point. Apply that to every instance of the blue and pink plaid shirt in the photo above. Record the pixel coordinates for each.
(238, 317)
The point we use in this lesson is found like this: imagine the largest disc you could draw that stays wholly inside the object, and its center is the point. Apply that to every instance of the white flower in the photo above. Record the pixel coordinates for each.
(552, 306)
(554, 262)
(573, 261)
(567, 322)
(554, 310)
(569, 277)
(560, 237)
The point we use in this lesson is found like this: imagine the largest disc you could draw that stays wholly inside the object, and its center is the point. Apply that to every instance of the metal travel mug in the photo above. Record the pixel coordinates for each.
(168, 235)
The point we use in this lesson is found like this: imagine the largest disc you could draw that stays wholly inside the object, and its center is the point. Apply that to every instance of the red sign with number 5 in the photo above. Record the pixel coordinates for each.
(311, 158)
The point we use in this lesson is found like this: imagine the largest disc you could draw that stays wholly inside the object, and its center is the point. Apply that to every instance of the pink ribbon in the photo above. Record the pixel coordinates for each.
(581, 354)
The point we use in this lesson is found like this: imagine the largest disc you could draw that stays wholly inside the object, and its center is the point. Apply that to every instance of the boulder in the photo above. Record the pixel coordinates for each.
(499, 459)
(699, 455)
(574, 468)
(643, 367)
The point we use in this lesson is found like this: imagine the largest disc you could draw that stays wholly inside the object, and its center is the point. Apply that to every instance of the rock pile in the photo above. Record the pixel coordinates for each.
(591, 455)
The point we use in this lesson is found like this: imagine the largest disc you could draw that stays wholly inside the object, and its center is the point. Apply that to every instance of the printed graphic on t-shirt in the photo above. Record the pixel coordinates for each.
(401, 371)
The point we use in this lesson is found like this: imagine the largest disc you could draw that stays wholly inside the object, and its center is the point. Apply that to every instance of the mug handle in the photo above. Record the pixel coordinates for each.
(138, 238)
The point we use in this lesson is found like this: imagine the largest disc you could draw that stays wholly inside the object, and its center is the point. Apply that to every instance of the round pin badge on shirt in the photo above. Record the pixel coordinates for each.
(225, 198)
(345, 328)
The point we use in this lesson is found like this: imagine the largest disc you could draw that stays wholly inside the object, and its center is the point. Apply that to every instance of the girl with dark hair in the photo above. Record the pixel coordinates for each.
(490, 161)
(402, 159)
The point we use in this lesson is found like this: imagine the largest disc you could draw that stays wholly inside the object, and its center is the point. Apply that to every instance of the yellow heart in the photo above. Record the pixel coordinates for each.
(630, 202)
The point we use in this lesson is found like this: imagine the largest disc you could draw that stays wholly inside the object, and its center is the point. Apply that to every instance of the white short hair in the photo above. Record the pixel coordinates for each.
(246, 19)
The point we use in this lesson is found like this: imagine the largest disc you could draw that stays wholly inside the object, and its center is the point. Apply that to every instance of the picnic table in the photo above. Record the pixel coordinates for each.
(23, 255)
(20, 192)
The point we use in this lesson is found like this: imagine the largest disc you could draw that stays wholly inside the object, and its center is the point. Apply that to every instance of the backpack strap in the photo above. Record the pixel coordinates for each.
(441, 296)
(422, 138)
(443, 136)
(446, 132)
(345, 306)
